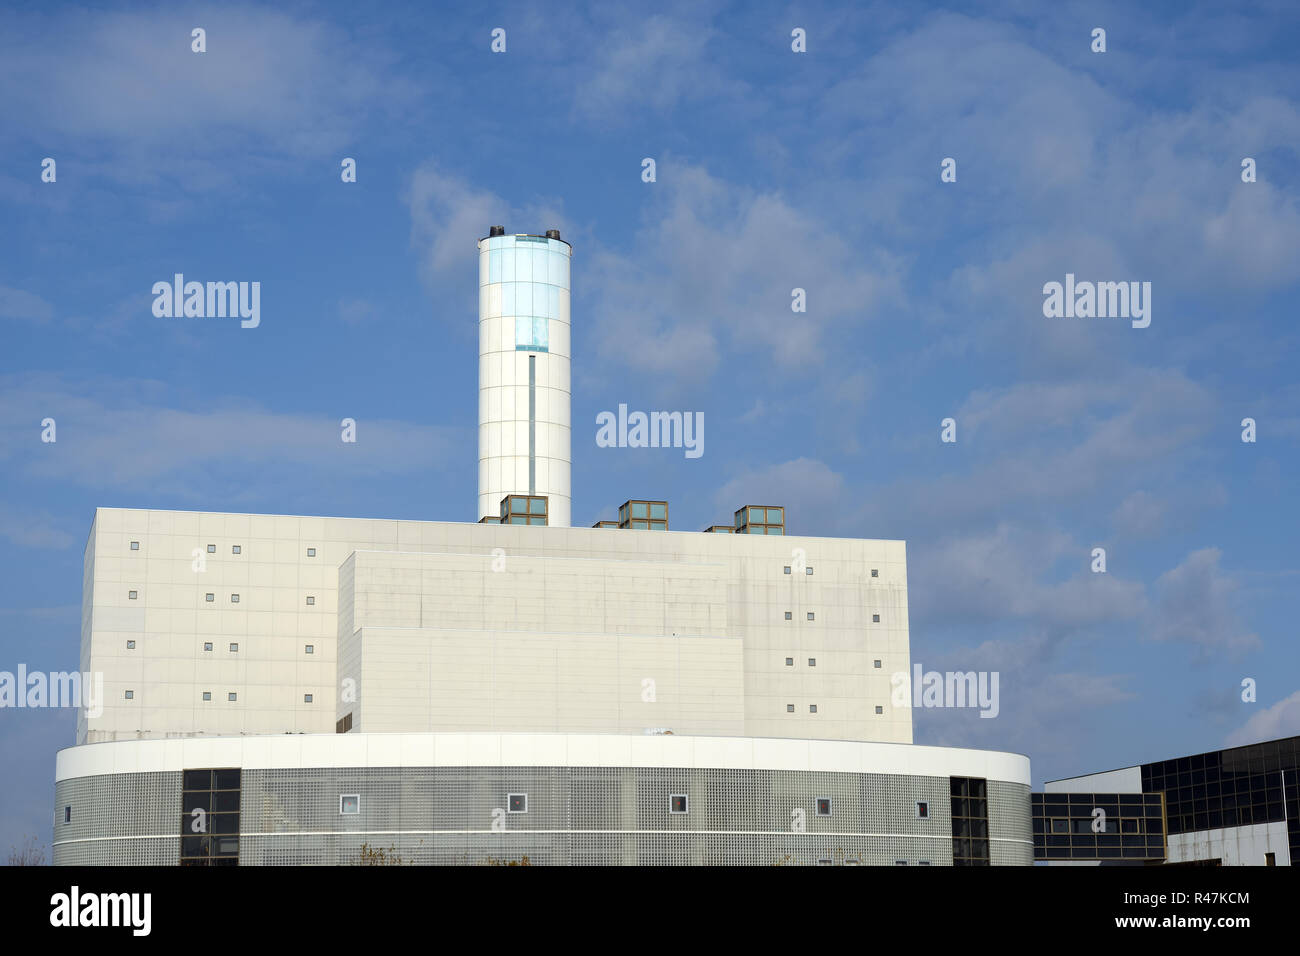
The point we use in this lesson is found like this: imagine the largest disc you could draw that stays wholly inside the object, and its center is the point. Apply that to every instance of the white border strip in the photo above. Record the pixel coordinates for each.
(300, 751)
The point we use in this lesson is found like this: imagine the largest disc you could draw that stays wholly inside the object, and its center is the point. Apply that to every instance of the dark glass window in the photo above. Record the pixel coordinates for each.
(209, 824)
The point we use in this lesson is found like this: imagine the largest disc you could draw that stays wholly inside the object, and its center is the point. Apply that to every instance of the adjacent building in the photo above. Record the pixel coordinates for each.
(1235, 807)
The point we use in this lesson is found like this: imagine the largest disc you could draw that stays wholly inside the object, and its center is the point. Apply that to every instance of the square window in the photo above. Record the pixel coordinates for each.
(207, 695)
(812, 708)
(234, 648)
(130, 645)
(207, 645)
(789, 616)
(306, 698)
(517, 802)
(67, 814)
(823, 806)
(922, 862)
(234, 599)
(311, 599)
(130, 695)
(234, 549)
(349, 803)
(808, 570)
(825, 861)
(787, 569)
(812, 662)
(875, 619)
(875, 572)
(879, 709)
(212, 549)
(135, 545)
(209, 597)
(923, 809)
(677, 803)
(789, 662)
(789, 708)
(310, 649)
(131, 595)
(810, 616)
(232, 696)
(875, 663)
(311, 552)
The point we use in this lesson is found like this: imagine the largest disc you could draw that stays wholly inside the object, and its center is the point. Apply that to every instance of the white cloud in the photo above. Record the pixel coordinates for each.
(1195, 606)
(24, 306)
(107, 440)
(1280, 720)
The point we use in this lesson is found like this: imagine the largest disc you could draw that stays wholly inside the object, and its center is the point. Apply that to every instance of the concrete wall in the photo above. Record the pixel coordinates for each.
(1235, 846)
(660, 574)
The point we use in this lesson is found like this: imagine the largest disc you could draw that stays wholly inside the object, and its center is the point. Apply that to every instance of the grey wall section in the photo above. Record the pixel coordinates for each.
(129, 819)
(576, 815)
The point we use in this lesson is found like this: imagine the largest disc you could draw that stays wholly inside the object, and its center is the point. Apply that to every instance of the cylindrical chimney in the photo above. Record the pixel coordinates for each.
(524, 430)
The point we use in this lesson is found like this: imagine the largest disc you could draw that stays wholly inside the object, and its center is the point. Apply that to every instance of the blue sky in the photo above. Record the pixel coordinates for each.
(775, 170)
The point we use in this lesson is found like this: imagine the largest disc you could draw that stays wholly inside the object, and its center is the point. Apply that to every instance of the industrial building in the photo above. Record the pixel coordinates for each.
(510, 689)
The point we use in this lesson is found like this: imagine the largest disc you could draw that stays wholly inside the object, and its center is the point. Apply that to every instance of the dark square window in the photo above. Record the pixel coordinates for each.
(67, 814)
(823, 806)
(677, 803)
(923, 809)
(517, 802)
(212, 549)
(135, 545)
(311, 552)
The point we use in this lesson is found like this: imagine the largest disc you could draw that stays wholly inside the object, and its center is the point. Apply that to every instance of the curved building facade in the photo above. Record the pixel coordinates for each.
(524, 380)
(538, 799)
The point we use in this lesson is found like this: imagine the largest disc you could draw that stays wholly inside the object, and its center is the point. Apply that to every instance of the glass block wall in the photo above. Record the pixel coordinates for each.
(574, 815)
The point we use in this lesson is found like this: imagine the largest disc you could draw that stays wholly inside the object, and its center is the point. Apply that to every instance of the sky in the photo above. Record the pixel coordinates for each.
(775, 170)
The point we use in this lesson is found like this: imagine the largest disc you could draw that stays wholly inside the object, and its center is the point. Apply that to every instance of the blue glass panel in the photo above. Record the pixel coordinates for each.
(508, 298)
(494, 265)
(638, 509)
(541, 336)
(523, 332)
(507, 265)
(523, 265)
(658, 510)
(552, 301)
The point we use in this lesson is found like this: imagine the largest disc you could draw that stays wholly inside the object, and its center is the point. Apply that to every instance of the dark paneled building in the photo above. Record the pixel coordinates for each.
(1236, 806)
